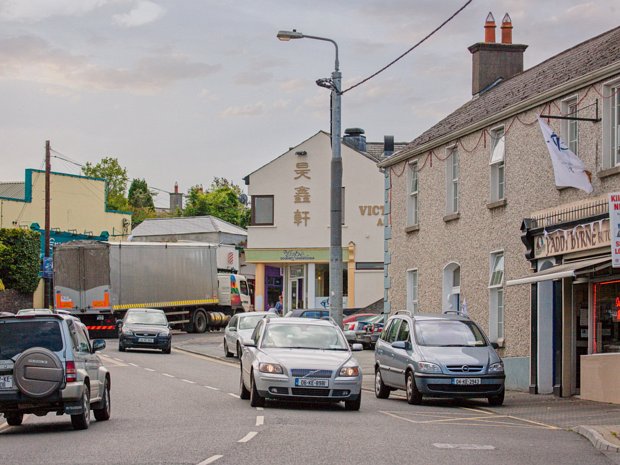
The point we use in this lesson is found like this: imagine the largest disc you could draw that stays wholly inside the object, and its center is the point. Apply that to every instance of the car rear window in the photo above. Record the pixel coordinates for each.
(17, 336)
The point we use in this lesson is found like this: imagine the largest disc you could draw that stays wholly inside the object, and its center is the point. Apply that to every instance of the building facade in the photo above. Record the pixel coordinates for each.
(475, 216)
(289, 235)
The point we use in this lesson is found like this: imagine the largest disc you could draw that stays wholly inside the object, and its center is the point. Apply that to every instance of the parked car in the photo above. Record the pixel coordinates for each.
(437, 355)
(145, 328)
(48, 364)
(365, 331)
(239, 327)
(300, 359)
(308, 313)
(355, 317)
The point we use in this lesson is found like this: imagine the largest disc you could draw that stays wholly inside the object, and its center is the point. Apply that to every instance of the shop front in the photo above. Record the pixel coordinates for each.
(574, 304)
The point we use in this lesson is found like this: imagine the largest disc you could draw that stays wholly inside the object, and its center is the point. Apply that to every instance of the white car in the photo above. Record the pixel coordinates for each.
(239, 327)
(300, 359)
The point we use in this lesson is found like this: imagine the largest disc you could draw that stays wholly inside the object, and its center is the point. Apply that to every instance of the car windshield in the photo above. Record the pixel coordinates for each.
(147, 318)
(15, 337)
(302, 336)
(250, 322)
(448, 333)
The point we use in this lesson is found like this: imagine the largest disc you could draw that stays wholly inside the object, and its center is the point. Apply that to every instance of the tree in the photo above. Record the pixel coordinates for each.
(116, 177)
(140, 202)
(221, 201)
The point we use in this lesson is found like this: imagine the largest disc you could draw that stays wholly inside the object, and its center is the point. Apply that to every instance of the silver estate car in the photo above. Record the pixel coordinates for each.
(437, 355)
(300, 359)
(240, 327)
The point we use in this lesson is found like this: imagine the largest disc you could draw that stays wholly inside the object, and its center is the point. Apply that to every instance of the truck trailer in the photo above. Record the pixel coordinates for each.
(99, 281)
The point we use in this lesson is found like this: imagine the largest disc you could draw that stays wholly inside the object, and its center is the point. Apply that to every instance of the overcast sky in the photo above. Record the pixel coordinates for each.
(185, 90)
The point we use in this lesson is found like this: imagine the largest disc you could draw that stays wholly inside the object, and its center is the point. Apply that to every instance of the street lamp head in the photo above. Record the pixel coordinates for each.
(288, 35)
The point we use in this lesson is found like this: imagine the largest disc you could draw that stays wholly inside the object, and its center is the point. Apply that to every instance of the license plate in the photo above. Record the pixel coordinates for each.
(304, 382)
(6, 382)
(466, 381)
(146, 339)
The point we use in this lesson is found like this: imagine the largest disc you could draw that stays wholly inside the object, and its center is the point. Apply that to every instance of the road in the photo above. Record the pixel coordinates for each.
(183, 409)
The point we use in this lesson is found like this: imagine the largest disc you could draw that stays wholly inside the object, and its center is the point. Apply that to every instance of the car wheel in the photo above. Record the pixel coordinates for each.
(226, 351)
(243, 391)
(82, 420)
(497, 400)
(414, 397)
(14, 419)
(103, 413)
(121, 346)
(238, 351)
(168, 349)
(255, 399)
(353, 404)
(381, 390)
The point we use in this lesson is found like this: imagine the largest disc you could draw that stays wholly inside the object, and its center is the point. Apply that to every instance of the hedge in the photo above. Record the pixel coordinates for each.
(20, 259)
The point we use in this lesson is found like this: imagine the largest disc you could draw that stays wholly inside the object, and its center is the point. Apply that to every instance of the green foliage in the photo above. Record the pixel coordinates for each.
(116, 176)
(19, 259)
(221, 200)
(140, 202)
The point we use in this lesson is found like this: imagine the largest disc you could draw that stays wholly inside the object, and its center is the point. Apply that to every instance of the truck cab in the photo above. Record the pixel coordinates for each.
(234, 292)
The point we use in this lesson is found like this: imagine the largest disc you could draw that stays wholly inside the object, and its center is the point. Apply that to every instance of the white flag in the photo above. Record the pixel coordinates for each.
(569, 170)
(464, 308)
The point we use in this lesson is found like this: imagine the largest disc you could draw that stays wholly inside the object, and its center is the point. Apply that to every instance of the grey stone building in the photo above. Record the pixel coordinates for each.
(475, 193)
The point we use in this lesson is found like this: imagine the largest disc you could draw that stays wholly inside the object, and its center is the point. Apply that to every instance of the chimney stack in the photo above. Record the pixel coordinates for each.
(176, 199)
(491, 61)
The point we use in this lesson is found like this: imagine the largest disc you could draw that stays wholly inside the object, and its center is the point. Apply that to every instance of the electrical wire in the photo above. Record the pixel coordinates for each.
(410, 50)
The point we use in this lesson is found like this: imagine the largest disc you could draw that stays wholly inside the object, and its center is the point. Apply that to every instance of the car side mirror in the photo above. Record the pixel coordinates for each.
(233, 329)
(98, 344)
(400, 345)
(249, 343)
(495, 345)
(119, 324)
(357, 347)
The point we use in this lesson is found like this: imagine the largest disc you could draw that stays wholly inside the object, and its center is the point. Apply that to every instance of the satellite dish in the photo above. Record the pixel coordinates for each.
(243, 198)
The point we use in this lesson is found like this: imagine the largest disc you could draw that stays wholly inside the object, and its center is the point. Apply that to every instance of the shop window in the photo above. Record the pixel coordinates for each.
(262, 210)
(606, 334)
(412, 290)
(368, 266)
(498, 181)
(452, 288)
(321, 282)
(611, 124)
(496, 296)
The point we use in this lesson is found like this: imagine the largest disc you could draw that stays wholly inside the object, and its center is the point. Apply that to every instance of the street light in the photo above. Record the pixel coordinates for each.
(335, 248)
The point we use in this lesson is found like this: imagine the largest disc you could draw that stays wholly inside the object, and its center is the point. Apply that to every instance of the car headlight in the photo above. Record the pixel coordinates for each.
(164, 334)
(350, 372)
(427, 367)
(127, 332)
(496, 367)
(272, 368)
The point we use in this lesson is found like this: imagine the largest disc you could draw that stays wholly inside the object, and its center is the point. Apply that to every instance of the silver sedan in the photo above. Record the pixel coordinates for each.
(239, 327)
(300, 359)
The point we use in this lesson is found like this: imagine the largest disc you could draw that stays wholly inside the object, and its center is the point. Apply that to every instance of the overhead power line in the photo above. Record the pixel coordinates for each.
(411, 49)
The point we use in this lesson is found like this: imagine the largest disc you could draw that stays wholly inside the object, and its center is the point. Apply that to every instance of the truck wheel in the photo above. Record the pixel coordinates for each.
(14, 419)
(200, 321)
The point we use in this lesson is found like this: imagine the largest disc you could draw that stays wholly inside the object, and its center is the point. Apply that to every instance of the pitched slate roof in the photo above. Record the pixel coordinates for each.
(589, 56)
(375, 149)
(13, 190)
(185, 225)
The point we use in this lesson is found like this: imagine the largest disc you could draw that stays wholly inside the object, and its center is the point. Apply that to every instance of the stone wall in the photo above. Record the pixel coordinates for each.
(11, 301)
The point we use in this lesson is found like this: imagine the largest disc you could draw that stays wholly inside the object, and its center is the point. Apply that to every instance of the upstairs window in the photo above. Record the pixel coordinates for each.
(498, 181)
(412, 290)
(611, 124)
(452, 176)
(570, 128)
(262, 210)
(412, 198)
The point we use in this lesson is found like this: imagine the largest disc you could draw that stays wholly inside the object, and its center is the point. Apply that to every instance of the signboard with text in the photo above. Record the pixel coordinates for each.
(614, 228)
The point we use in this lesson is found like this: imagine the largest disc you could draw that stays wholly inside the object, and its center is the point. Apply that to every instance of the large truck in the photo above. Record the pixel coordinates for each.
(99, 281)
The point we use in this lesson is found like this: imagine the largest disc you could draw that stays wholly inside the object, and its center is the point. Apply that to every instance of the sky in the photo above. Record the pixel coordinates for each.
(188, 90)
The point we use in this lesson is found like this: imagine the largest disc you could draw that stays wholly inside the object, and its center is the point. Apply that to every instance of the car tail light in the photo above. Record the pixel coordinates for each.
(351, 326)
(71, 372)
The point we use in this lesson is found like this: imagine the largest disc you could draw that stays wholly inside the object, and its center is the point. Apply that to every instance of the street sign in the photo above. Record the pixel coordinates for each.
(614, 228)
(47, 268)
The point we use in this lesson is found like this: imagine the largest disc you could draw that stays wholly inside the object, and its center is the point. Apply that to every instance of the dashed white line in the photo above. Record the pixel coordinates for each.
(169, 376)
(248, 436)
(212, 388)
(260, 420)
(149, 369)
(119, 359)
(188, 381)
(260, 408)
(463, 446)
(211, 460)
(134, 365)
(234, 395)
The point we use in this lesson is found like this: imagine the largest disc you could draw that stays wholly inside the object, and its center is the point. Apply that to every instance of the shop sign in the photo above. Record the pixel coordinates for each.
(316, 255)
(614, 221)
(582, 237)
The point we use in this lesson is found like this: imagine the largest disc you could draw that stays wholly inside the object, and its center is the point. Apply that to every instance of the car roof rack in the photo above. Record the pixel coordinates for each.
(405, 312)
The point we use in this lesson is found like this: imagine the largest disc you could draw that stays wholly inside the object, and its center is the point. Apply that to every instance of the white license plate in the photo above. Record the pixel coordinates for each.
(466, 381)
(146, 339)
(6, 382)
(304, 382)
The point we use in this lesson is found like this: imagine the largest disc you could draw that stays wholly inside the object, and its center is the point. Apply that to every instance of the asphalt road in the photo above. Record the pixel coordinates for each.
(184, 409)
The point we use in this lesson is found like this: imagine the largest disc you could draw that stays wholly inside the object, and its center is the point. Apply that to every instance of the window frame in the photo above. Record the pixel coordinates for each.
(413, 197)
(611, 123)
(449, 290)
(569, 108)
(497, 303)
(413, 303)
(253, 206)
(452, 180)
(498, 167)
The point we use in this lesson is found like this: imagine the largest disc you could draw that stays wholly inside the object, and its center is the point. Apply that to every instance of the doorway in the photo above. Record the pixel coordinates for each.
(296, 290)
(581, 327)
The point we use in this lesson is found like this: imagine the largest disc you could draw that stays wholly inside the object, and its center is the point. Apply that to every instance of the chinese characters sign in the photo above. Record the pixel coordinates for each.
(301, 195)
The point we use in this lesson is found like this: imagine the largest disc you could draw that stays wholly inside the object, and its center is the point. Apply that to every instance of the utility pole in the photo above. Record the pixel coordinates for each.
(46, 278)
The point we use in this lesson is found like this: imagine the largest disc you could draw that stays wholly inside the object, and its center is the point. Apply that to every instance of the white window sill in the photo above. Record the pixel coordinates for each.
(412, 228)
(496, 204)
(451, 217)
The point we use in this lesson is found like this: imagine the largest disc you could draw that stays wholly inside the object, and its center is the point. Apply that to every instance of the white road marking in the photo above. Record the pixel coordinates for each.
(260, 420)
(113, 362)
(188, 381)
(260, 408)
(463, 446)
(134, 365)
(166, 374)
(149, 369)
(234, 395)
(212, 388)
(209, 358)
(248, 436)
(211, 460)
(119, 359)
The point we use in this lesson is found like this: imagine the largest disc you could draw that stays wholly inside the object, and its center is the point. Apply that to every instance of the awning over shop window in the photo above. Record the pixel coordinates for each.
(565, 270)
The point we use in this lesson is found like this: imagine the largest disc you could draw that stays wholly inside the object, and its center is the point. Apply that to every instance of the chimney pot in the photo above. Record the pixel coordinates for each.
(489, 29)
(506, 29)
(176, 187)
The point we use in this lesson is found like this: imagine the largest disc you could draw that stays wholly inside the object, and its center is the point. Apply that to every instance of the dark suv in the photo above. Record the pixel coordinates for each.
(48, 364)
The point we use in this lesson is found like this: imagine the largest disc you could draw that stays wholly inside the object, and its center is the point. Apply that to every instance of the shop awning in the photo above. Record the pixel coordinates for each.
(565, 270)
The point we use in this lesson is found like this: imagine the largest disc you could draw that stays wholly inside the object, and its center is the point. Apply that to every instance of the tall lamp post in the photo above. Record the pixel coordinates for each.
(335, 248)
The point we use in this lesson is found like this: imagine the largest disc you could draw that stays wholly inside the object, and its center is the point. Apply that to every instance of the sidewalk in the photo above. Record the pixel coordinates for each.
(598, 422)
